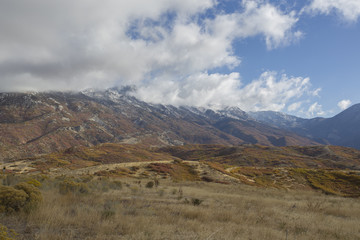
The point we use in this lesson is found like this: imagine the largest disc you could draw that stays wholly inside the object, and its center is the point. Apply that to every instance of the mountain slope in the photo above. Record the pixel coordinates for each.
(36, 123)
(342, 129)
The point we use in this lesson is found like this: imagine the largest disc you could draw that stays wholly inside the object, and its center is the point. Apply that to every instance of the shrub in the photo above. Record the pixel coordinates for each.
(196, 201)
(150, 184)
(34, 182)
(41, 177)
(22, 196)
(7, 234)
(207, 179)
(69, 186)
(34, 195)
(83, 188)
(11, 199)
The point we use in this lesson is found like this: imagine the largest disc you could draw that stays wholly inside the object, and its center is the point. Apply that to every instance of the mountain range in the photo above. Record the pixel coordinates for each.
(342, 129)
(42, 122)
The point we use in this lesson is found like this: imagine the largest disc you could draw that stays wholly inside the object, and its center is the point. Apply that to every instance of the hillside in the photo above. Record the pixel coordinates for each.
(38, 123)
(332, 169)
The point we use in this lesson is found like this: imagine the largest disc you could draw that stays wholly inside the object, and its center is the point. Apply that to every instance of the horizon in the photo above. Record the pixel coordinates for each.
(295, 57)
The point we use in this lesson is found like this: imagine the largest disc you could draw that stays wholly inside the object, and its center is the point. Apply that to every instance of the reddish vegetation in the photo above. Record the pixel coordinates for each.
(178, 171)
(161, 168)
(38, 123)
(265, 156)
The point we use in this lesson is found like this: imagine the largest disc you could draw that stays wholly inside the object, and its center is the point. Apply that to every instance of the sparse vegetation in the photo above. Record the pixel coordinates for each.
(229, 212)
(217, 193)
(69, 186)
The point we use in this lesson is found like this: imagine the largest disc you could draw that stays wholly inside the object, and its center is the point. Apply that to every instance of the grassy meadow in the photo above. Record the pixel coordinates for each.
(88, 207)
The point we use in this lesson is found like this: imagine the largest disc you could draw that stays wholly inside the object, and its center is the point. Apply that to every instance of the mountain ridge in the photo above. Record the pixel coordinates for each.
(37, 123)
(341, 129)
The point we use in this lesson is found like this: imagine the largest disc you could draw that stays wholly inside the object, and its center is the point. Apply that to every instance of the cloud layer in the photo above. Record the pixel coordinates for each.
(169, 50)
(269, 92)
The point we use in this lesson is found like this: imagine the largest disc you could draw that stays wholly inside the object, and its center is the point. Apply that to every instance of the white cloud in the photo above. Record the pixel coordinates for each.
(344, 104)
(267, 19)
(59, 45)
(316, 92)
(201, 90)
(315, 110)
(164, 48)
(294, 106)
(349, 10)
(269, 92)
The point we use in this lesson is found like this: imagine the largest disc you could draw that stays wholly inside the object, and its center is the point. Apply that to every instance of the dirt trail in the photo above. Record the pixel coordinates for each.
(203, 169)
(22, 166)
(103, 167)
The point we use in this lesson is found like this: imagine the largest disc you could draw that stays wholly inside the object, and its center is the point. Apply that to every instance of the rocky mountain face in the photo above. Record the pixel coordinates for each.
(37, 123)
(342, 129)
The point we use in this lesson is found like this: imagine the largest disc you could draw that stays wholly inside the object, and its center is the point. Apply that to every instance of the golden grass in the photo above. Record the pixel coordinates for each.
(271, 205)
(178, 171)
(235, 211)
(342, 183)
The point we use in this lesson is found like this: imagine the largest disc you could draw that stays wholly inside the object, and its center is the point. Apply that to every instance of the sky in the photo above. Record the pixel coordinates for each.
(300, 57)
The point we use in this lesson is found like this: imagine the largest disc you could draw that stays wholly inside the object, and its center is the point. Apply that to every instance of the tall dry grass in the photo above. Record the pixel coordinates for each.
(167, 212)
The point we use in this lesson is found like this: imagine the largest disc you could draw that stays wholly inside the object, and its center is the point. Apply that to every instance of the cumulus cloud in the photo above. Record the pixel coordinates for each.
(344, 104)
(268, 92)
(267, 19)
(60, 45)
(164, 48)
(315, 110)
(349, 10)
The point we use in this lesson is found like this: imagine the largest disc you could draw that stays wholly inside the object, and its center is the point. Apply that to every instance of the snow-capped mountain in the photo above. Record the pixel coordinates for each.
(36, 123)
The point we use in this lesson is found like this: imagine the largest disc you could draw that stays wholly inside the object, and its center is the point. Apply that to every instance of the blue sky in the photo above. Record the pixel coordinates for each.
(328, 53)
(298, 57)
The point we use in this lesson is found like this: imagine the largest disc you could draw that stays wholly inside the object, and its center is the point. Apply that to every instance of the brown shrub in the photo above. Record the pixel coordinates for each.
(150, 184)
(34, 197)
(21, 197)
(11, 199)
(69, 186)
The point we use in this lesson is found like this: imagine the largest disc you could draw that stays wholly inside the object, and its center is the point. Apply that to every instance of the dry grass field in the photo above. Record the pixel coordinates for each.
(201, 192)
(91, 207)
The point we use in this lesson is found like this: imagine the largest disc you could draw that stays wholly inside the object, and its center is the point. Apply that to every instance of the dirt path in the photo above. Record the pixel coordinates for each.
(22, 166)
(203, 169)
(103, 167)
